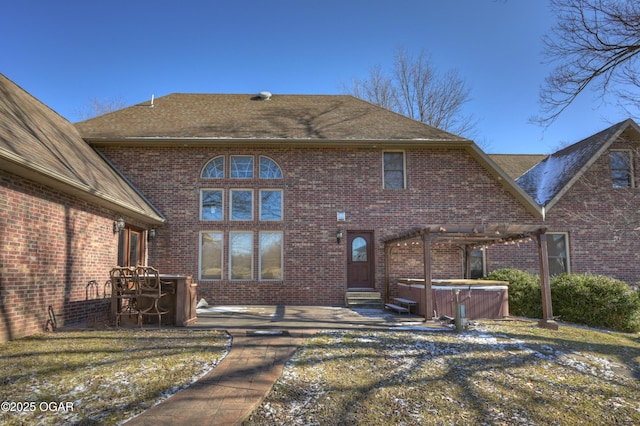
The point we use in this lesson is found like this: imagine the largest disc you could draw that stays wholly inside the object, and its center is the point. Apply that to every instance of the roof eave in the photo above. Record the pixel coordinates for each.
(190, 141)
(31, 171)
(509, 184)
(587, 165)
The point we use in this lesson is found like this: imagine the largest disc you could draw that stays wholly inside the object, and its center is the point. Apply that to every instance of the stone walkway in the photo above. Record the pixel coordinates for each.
(263, 339)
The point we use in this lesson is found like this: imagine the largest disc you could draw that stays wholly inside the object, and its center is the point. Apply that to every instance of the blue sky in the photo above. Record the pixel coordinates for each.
(67, 52)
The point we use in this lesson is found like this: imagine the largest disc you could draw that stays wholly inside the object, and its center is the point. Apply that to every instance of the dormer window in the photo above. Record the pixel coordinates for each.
(621, 169)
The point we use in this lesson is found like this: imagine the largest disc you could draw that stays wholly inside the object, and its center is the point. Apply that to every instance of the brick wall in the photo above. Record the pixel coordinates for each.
(601, 223)
(51, 246)
(443, 186)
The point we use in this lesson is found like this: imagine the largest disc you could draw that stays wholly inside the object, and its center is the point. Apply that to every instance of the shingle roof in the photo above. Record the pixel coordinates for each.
(248, 117)
(37, 143)
(515, 165)
(552, 177)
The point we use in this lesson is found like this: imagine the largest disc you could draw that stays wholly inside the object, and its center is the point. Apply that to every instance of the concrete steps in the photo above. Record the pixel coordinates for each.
(363, 299)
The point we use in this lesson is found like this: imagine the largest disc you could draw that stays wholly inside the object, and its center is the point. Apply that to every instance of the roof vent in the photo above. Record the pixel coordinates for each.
(265, 96)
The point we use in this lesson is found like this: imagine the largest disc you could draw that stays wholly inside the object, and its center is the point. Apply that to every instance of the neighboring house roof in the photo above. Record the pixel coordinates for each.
(281, 118)
(550, 179)
(38, 144)
(515, 165)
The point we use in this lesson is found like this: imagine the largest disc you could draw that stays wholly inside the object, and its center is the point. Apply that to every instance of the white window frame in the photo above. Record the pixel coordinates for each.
(253, 166)
(231, 234)
(224, 160)
(404, 169)
(281, 277)
(200, 255)
(202, 190)
(231, 191)
(281, 204)
(274, 162)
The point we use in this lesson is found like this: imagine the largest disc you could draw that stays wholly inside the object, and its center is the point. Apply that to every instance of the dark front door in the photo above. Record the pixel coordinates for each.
(360, 260)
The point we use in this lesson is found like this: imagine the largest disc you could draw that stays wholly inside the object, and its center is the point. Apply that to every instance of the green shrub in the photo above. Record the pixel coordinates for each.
(525, 297)
(596, 301)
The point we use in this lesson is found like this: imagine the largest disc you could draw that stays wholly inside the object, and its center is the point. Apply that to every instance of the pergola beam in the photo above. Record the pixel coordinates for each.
(470, 236)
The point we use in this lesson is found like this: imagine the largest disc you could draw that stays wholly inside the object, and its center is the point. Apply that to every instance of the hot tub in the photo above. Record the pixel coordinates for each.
(481, 298)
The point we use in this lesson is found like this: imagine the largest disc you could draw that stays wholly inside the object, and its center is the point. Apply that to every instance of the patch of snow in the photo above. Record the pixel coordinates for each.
(548, 176)
(222, 309)
(418, 328)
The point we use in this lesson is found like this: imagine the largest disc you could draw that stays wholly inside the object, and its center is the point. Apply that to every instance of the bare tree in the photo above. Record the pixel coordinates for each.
(417, 90)
(594, 43)
(98, 107)
(378, 89)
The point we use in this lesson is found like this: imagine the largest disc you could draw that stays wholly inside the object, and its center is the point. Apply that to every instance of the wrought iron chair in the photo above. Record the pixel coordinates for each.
(125, 285)
(150, 287)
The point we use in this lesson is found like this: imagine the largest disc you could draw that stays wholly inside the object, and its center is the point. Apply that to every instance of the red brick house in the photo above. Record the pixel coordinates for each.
(589, 193)
(291, 199)
(59, 200)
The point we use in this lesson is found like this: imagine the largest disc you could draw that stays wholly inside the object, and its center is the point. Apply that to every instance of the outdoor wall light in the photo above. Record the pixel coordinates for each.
(118, 225)
(152, 233)
(339, 236)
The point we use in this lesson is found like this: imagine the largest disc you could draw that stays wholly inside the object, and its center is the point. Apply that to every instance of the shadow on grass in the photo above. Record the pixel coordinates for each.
(501, 375)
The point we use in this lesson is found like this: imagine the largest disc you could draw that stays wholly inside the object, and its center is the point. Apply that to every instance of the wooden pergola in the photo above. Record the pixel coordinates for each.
(470, 237)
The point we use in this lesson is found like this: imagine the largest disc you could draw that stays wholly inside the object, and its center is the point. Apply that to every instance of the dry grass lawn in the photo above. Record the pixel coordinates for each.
(496, 373)
(499, 373)
(100, 376)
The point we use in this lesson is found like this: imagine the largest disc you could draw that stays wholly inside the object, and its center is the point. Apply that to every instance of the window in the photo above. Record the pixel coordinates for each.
(621, 169)
(240, 255)
(211, 204)
(477, 264)
(270, 255)
(241, 167)
(359, 250)
(214, 169)
(241, 204)
(211, 255)
(393, 165)
(558, 252)
(269, 169)
(270, 204)
(246, 206)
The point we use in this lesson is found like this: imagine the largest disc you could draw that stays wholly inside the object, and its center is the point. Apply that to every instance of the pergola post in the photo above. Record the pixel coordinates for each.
(545, 284)
(387, 279)
(428, 297)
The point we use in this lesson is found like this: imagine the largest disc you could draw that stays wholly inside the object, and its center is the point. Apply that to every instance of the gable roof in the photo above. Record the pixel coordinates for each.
(38, 144)
(282, 119)
(515, 165)
(550, 179)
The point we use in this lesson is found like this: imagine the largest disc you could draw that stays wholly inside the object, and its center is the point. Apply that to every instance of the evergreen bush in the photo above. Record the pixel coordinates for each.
(525, 297)
(596, 301)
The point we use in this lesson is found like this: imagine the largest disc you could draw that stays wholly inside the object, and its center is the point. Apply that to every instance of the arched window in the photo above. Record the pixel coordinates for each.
(214, 169)
(269, 169)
